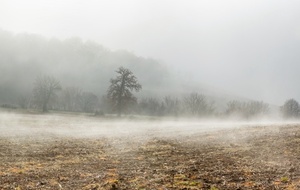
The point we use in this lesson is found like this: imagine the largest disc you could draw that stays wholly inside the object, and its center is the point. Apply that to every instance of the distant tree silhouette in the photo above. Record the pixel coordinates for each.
(197, 105)
(290, 109)
(149, 106)
(120, 89)
(45, 88)
(246, 110)
(171, 106)
(234, 107)
(256, 108)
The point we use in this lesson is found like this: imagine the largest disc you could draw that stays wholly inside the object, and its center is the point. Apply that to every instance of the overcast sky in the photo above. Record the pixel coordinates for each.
(249, 48)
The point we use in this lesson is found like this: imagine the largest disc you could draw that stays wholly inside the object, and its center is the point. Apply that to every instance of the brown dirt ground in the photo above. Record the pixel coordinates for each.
(265, 157)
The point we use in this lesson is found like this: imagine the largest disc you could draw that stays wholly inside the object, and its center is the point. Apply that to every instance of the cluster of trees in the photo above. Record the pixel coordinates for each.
(247, 110)
(152, 106)
(198, 105)
(73, 62)
(75, 100)
(49, 94)
(88, 65)
(119, 95)
(194, 104)
(290, 109)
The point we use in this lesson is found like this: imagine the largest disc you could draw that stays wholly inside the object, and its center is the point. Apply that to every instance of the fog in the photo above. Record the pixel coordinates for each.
(84, 126)
(225, 50)
(124, 94)
(245, 48)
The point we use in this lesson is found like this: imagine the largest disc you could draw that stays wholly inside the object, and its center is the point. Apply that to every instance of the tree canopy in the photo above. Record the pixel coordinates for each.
(290, 109)
(120, 89)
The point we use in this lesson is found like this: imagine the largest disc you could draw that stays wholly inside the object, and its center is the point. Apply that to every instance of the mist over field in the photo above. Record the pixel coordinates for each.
(161, 94)
(246, 49)
(80, 151)
(19, 125)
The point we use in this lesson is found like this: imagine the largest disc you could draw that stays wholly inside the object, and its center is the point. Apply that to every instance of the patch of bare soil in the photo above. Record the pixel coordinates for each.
(241, 158)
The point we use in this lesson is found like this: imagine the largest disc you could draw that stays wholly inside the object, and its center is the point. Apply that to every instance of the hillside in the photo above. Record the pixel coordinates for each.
(88, 66)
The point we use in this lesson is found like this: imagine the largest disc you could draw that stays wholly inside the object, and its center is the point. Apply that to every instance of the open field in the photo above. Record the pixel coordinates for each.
(57, 151)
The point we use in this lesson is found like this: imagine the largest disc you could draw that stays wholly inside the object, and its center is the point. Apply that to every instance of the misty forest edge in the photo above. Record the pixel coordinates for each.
(48, 93)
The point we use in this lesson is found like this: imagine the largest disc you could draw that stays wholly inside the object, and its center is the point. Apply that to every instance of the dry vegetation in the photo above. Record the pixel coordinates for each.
(263, 157)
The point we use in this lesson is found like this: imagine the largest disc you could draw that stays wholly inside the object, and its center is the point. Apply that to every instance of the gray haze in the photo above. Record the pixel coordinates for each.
(18, 124)
(246, 48)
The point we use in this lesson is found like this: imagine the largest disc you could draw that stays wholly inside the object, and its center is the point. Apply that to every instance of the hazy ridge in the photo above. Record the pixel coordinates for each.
(88, 66)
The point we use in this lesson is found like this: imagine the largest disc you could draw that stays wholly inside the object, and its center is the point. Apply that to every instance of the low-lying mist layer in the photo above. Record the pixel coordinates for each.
(63, 151)
(41, 125)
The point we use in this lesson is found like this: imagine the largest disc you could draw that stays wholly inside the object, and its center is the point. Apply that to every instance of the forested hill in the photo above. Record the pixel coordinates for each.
(89, 67)
(76, 63)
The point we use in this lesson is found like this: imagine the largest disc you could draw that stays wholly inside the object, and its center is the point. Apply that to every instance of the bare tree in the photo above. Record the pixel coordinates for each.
(290, 109)
(233, 107)
(71, 98)
(197, 105)
(45, 88)
(120, 90)
(171, 106)
(247, 110)
(256, 108)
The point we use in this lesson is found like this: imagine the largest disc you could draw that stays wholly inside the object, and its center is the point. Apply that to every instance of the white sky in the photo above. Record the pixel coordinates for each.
(248, 47)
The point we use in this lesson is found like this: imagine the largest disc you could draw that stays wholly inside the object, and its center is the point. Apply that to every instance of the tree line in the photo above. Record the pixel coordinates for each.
(77, 64)
(74, 62)
(48, 93)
